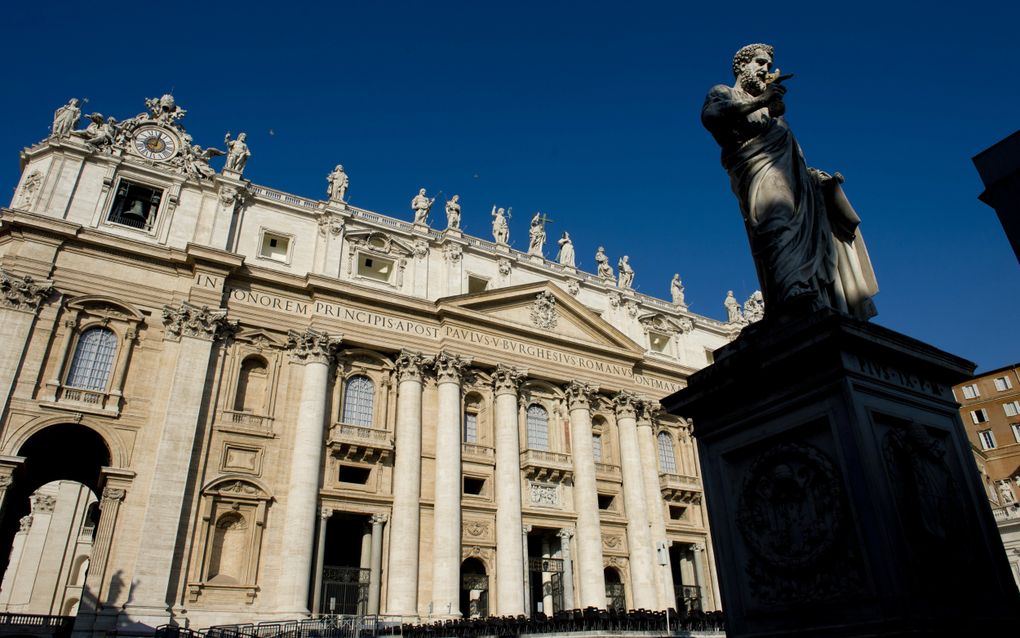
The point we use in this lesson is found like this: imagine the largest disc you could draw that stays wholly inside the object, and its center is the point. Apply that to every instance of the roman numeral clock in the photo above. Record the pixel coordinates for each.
(155, 143)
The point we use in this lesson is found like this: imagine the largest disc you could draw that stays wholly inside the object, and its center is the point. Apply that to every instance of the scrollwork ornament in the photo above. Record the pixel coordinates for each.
(312, 346)
(189, 320)
(22, 292)
(331, 225)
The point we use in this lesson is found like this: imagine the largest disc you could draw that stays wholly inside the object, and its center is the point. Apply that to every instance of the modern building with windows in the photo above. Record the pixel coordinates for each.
(990, 407)
(246, 405)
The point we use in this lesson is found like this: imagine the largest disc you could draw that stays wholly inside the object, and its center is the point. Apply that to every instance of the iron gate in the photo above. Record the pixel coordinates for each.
(477, 607)
(553, 588)
(616, 596)
(344, 591)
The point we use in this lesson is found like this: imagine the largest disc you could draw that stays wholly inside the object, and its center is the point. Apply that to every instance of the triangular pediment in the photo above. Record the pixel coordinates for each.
(542, 308)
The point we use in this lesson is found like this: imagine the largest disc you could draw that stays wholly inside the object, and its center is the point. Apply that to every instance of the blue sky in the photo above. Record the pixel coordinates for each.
(586, 111)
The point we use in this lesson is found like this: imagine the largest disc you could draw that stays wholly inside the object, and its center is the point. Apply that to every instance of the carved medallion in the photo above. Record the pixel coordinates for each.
(543, 311)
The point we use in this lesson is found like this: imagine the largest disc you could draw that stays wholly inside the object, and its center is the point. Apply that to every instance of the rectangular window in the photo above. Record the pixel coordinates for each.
(1012, 408)
(657, 342)
(1002, 384)
(473, 486)
(470, 427)
(1016, 431)
(677, 512)
(970, 391)
(352, 474)
(477, 284)
(135, 205)
(979, 415)
(987, 440)
(376, 268)
(605, 501)
(275, 247)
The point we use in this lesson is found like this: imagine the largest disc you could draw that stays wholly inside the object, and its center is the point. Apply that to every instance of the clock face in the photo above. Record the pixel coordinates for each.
(155, 143)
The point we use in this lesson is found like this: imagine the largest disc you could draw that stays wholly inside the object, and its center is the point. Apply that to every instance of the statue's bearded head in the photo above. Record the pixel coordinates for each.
(751, 66)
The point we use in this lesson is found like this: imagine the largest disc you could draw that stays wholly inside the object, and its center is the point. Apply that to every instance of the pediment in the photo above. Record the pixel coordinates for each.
(542, 307)
(260, 338)
(668, 325)
(379, 242)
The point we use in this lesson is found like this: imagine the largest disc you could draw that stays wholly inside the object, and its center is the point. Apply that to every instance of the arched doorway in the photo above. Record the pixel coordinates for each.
(62, 462)
(616, 595)
(474, 589)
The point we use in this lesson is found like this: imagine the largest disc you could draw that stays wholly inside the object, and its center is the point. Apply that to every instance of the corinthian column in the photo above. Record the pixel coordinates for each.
(509, 552)
(446, 534)
(591, 578)
(653, 499)
(402, 592)
(20, 298)
(642, 565)
(194, 329)
(314, 350)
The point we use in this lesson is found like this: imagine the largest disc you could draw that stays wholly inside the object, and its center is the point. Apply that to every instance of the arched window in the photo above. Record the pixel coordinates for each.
(228, 549)
(538, 427)
(93, 359)
(667, 461)
(359, 392)
(251, 386)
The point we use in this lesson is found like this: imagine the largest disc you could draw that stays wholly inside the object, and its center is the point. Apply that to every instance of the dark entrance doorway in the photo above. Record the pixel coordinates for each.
(345, 572)
(474, 589)
(685, 588)
(616, 595)
(545, 573)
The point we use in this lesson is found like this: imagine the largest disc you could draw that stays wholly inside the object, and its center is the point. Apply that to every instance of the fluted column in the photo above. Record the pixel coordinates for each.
(20, 298)
(525, 530)
(565, 535)
(700, 576)
(320, 555)
(402, 593)
(591, 578)
(639, 540)
(510, 568)
(653, 500)
(375, 566)
(314, 350)
(446, 536)
(194, 329)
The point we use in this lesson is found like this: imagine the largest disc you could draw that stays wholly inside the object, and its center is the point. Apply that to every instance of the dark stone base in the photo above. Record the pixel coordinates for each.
(841, 488)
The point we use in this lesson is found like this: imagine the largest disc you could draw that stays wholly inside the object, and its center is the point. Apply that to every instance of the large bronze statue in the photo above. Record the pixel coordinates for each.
(803, 231)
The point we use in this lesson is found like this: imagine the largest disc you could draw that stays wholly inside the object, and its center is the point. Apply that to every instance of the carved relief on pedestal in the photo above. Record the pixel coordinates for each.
(312, 346)
(29, 190)
(476, 530)
(22, 292)
(189, 320)
(543, 494)
(612, 542)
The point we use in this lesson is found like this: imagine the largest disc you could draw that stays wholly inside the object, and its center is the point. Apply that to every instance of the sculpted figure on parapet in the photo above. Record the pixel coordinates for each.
(237, 152)
(676, 290)
(100, 132)
(421, 204)
(536, 236)
(500, 228)
(732, 308)
(605, 270)
(65, 119)
(802, 230)
(566, 256)
(337, 183)
(453, 213)
(626, 272)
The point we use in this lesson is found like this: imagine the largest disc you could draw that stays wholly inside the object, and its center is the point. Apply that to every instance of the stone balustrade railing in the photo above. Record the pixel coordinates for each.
(679, 488)
(543, 465)
(1007, 513)
(476, 451)
(607, 470)
(247, 420)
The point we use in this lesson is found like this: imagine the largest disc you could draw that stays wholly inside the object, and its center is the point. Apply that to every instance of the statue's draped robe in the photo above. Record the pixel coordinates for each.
(784, 207)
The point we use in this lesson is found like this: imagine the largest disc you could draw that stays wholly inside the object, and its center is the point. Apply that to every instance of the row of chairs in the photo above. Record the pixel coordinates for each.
(590, 619)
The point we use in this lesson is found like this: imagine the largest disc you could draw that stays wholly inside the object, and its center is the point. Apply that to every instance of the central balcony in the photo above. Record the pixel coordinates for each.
(542, 465)
(357, 443)
(677, 488)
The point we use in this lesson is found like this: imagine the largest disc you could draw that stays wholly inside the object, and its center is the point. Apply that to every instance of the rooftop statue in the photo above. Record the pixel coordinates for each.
(65, 119)
(536, 236)
(500, 229)
(676, 289)
(754, 307)
(732, 308)
(605, 270)
(626, 272)
(453, 213)
(237, 152)
(803, 232)
(100, 133)
(196, 159)
(566, 256)
(421, 204)
(337, 185)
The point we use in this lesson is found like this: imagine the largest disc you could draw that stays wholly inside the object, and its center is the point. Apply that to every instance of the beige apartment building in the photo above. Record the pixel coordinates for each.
(280, 406)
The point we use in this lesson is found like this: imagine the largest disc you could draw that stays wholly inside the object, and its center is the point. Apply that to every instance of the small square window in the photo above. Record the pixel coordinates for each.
(474, 486)
(376, 268)
(1012, 408)
(987, 439)
(970, 391)
(658, 342)
(979, 415)
(606, 501)
(677, 512)
(135, 205)
(477, 284)
(352, 474)
(275, 247)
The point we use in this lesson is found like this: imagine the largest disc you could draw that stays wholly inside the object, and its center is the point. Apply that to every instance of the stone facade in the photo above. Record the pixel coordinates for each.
(288, 406)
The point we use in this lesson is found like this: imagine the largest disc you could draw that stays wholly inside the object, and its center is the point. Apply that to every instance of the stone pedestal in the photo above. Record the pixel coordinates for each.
(841, 488)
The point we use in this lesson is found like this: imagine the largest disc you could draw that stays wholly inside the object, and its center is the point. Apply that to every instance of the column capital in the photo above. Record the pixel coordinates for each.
(114, 493)
(507, 379)
(449, 367)
(22, 292)
(579, 395)
(409, 365)
(189, 320)
(526, 528)
(325, 513)
(566, 533)
(625, 404)
(697, 547)
(379, 519)
(312, 346)
(647, 410)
